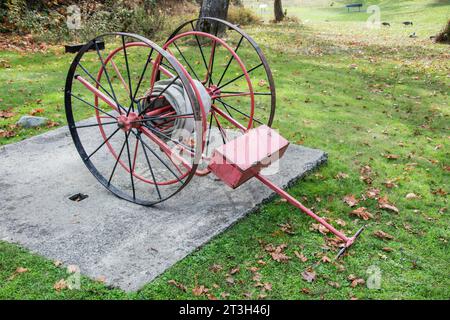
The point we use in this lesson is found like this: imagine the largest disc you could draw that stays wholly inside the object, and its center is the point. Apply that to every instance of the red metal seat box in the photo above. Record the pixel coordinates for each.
(245, 156)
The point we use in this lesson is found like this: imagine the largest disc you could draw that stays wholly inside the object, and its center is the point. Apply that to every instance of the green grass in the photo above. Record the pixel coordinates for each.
(358, 98)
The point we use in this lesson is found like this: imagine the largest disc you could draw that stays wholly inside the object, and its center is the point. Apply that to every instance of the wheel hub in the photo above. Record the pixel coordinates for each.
(125, 122)
(213, 91)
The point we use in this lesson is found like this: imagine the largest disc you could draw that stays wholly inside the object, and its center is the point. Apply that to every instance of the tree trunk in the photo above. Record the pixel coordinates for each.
(216, 9)
(279, 14)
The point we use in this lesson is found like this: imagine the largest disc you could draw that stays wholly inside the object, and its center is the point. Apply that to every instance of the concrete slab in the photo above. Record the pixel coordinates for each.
(127, 244)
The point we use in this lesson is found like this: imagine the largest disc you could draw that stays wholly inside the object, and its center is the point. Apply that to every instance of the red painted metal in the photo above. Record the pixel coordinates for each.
(245, 156)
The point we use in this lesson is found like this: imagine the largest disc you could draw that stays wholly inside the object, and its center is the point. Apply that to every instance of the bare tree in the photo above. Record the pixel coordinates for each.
(215, 9)
(279, 14)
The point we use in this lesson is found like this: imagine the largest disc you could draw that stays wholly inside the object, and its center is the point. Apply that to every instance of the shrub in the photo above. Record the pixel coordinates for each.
(242, 16)
(444, 35)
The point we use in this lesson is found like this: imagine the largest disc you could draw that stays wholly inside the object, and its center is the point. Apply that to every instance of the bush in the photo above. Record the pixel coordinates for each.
(46, 20)
(444, 35)
(242, 16)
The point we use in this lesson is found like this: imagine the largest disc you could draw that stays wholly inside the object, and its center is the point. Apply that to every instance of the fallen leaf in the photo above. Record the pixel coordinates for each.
(267, 286)
(387, 249)
(322, 229)
(350, 200)
(7, 133)
(357, 281)
(287, 228)
(411, 195)
(36, 111)
(341, 175)
(57, 263)
(211, 296)
(229, 280)
(341, 222)
(262, 83)
(390, 184)
(234, 270)
(60, 285)
(253, 269)
(391, 156)
(325, 259)
(7, 114)
(72, 268)
(21, 270)
(305, 291)
(334, 284)
(180, 286)
(372, 193)
(309, 275)
(216, 268)
(51, 124)
(440, 191)
(199, 290)
(383, 203)
(262, 296)
(224, 295)
(300, 256)
(383, 235)
(101, 279)
(277, 252)
(362, 213)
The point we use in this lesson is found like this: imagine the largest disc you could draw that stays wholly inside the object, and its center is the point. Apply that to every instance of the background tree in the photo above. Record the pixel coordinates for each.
(279, 14)
(216, 9)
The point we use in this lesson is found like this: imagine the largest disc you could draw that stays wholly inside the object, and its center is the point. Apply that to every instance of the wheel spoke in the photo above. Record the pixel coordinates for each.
(91, 105)
(238, 77)
(149, 59)
(159, 158)
(209, 133)
(211, 61)
(149, 166)
(158, 132)
(119, 74)
(185, 60)
(94, 125)
(107, 76)
(201, 51)
(95, 80)
(102, 144)
(117, 160)
(130, 90)
(237, 110)
(129, 166)
(230, 60)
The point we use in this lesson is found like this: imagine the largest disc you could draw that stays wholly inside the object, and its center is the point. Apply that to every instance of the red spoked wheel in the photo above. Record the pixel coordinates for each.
(234, 71)
(138, 125)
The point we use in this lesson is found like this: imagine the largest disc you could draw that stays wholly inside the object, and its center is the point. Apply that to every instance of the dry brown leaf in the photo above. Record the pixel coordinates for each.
(357, 281)
(234, 270)
(390, 184)
(277, 253)
(391, 156)
(36, 111)
(341, 222)
(362, 213)
(210, 296)
(7, 114)
(309, 275)
(305, 291)
(372, 193)
(267, 286)
(383, 235)
(350, 200)
(180, 286)
(300, 256)
(224, 295)
(7, 133)
(229, 280)
(387, 249)
(341, 175)
(286, 228)
(411, 195)
(383, 203)
(318, 227)
(325, 259)
(199, 290)
(57, 263)
(253, 269)
(215, 268)
(60, 285)
(101, 279)
(334, 284)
